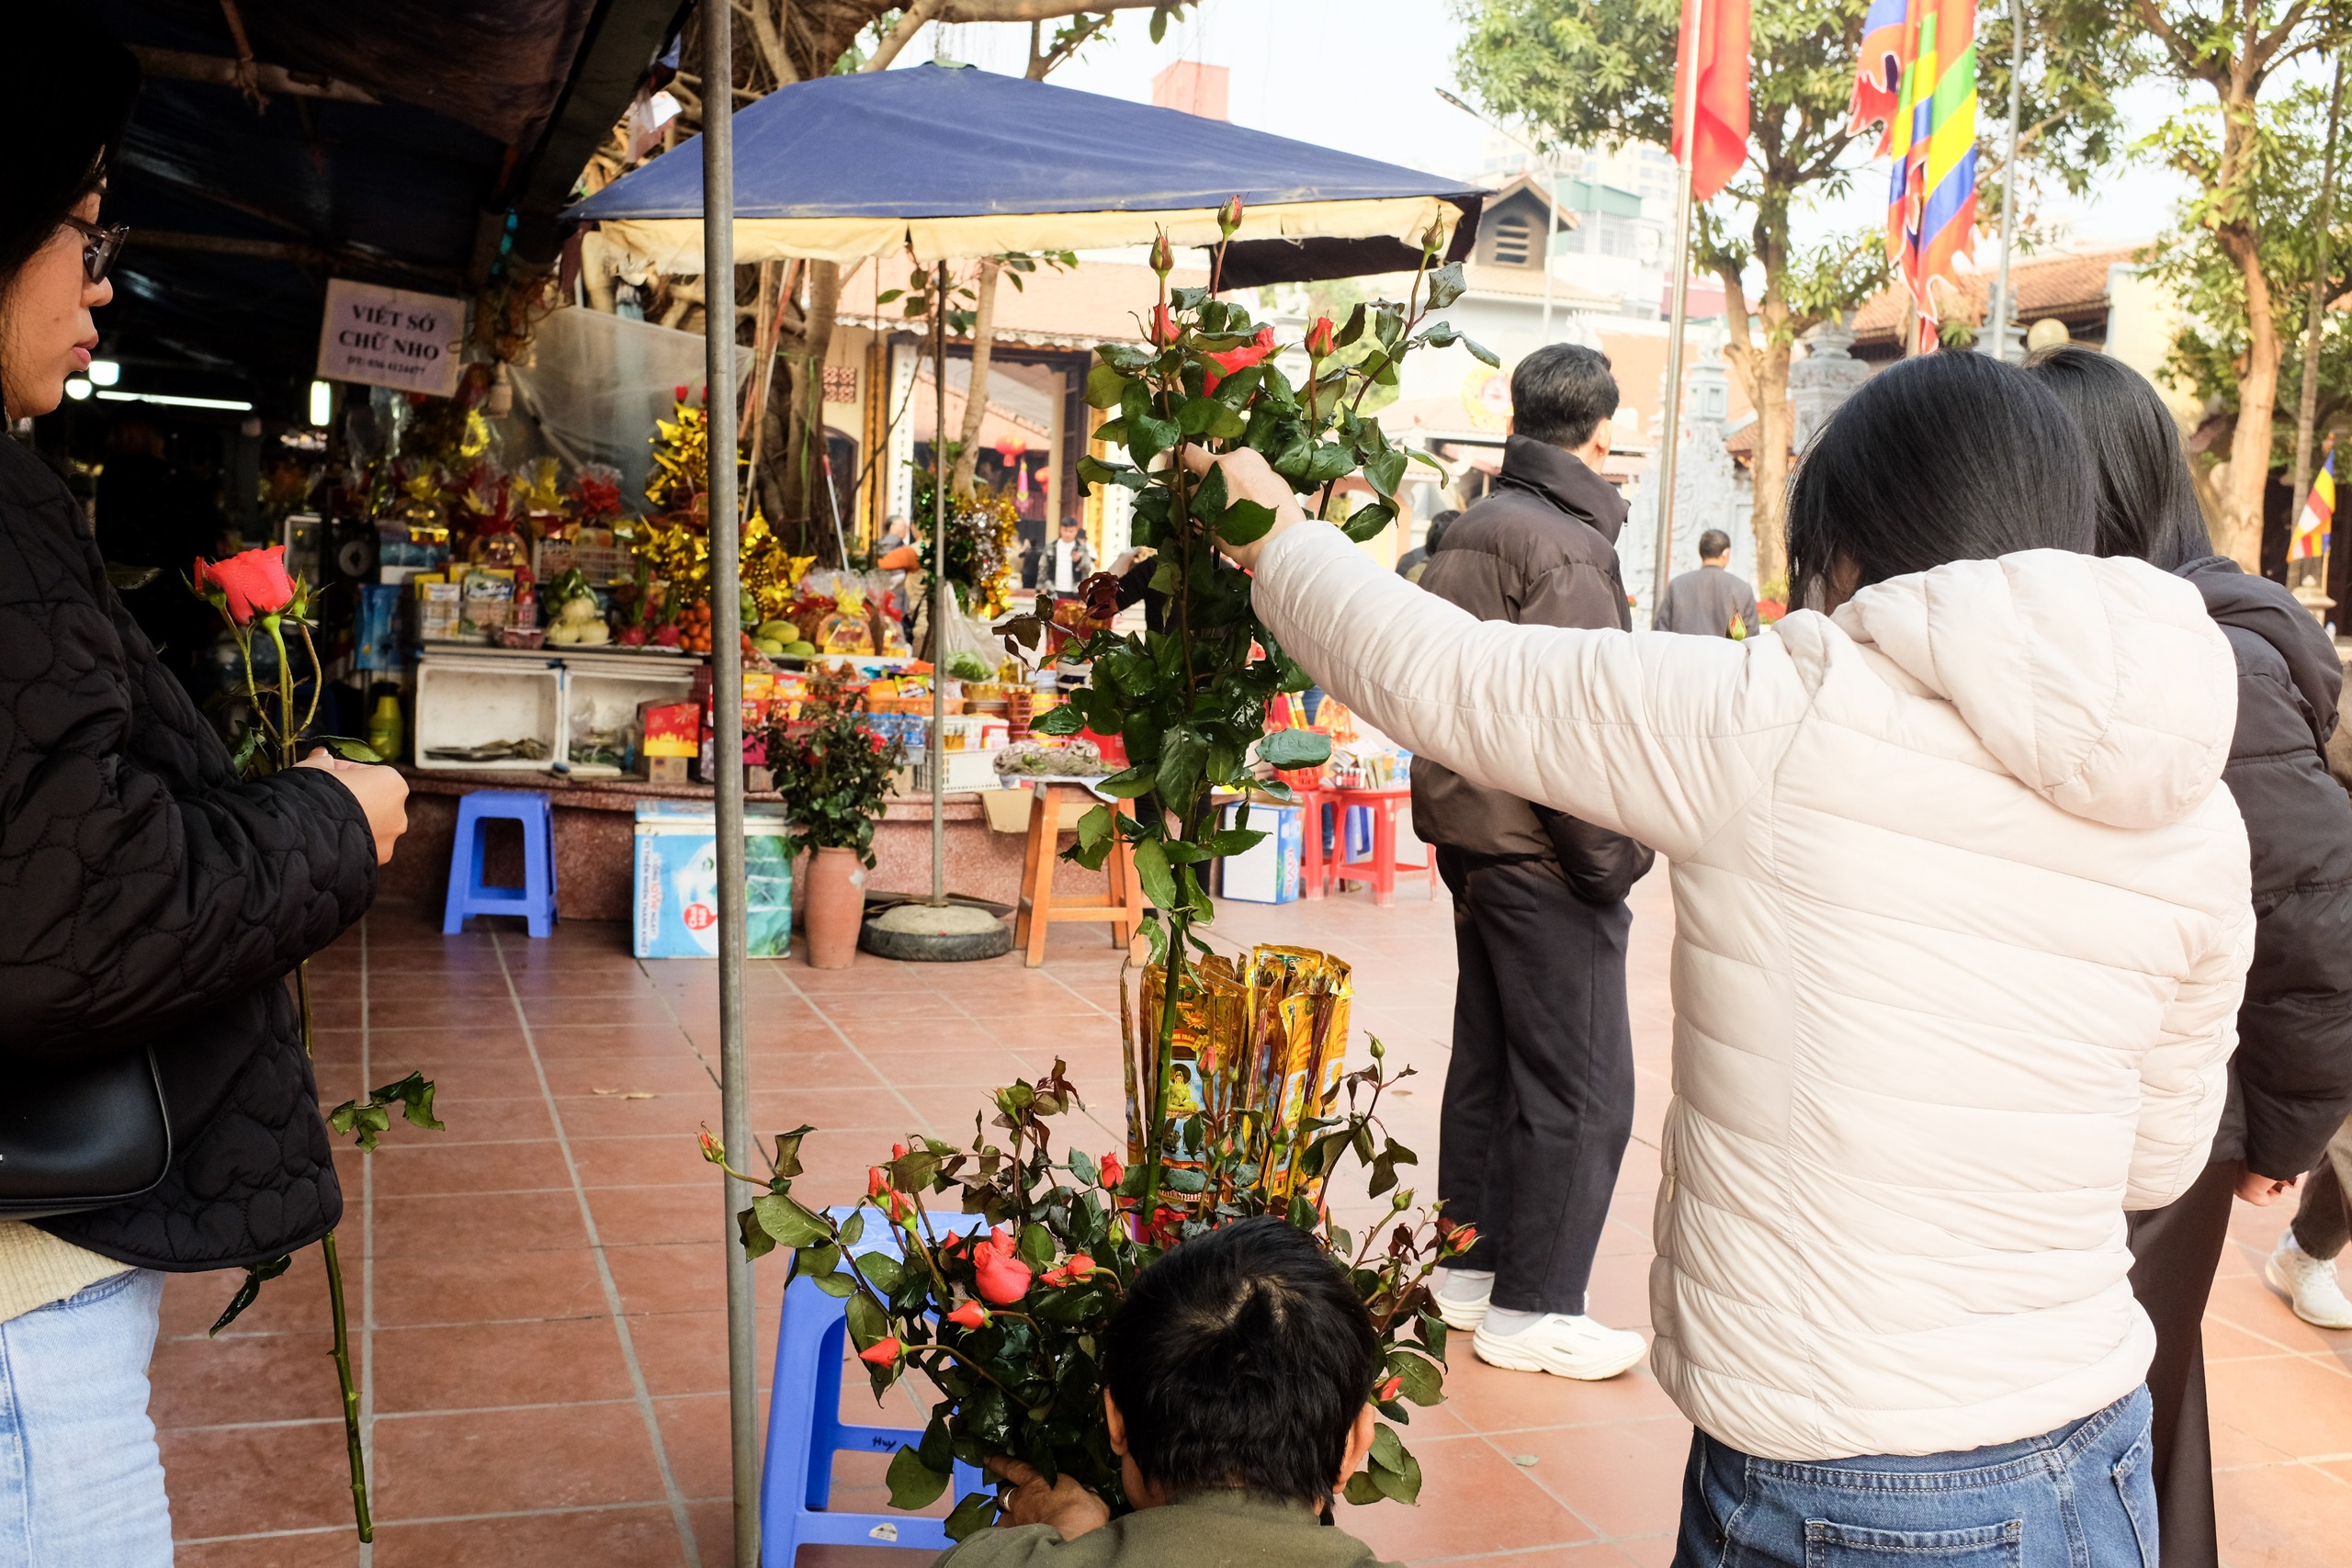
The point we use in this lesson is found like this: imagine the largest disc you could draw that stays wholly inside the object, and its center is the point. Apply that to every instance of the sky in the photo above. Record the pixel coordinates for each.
(1363, 75)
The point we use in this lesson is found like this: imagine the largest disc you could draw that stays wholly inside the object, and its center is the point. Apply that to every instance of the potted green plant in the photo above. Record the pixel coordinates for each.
(834, 776)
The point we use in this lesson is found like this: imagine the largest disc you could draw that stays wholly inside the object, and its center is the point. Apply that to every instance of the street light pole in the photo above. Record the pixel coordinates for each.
(1998, 316)
(1551, 230)
(1670, 433)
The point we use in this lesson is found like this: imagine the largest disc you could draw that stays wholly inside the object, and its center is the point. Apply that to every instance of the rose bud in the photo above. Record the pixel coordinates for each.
(898, 1151)
(1057, 1277)
(971, 1315)
(1164, 255)
(1388, 1390)
(1113, 1171)
(1319, 337)
(1164, 326)
(1462, 1238)
(712, 1150)
(877, 1181)
(1081, 1265)
(882, 1353)
(1228, 216)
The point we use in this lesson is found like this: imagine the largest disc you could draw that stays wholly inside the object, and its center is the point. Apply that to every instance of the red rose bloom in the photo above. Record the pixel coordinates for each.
(1113, 1171)
(1081, 1265)
(882, 1353)
(1164, 326)
(1220, 366)
(1319, 337)
(254, 583)
(1003, 1279)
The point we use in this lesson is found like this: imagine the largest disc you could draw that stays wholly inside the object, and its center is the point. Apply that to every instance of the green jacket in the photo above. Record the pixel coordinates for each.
(1209, 1529)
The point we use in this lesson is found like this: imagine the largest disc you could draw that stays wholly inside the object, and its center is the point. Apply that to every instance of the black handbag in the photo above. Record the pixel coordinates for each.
(88, 1136)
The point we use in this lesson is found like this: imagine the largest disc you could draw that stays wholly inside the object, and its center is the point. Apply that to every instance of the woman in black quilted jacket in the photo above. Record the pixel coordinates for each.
(151, 904)
(2291, 1081)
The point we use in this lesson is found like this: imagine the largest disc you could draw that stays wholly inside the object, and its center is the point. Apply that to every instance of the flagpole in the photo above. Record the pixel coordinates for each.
(2307, 411)
(1671, 432)
(2002, 309)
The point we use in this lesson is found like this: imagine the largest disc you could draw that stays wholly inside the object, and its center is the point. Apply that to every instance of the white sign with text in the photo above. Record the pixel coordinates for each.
(390, 337)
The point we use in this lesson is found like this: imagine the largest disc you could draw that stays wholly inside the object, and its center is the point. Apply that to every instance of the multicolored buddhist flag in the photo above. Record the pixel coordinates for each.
(1918, 77)
(2318, 520)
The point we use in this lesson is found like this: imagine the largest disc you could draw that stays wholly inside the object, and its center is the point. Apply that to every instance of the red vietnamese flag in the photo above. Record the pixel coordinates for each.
(1720, 49)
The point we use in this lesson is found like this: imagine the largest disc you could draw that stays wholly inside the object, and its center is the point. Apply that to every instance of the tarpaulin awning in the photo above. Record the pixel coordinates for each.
(957, 162)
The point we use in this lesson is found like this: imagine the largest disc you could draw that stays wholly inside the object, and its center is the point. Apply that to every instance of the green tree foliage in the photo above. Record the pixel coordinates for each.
(2233, 50)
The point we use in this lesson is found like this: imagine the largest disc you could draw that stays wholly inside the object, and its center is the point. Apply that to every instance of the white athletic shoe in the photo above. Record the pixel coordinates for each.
(1564, 1346)
(2309, 1284)
(1465, 1311)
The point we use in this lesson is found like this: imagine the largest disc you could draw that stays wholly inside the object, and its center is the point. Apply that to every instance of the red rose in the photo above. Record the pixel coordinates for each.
(1164, 326)
(1220, 366)
(1003, 1279)
(1319, 337)
(1461, 1239)
(1388, 1390)
(1113, 1171)
(882, 1353)
(971, 1315)
(877, 1181)
(898, 1151)
(1057, 1277)
(253, 582)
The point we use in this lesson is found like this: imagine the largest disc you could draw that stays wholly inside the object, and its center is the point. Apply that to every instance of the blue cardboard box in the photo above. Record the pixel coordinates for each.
(677, 881)
(1268, 873)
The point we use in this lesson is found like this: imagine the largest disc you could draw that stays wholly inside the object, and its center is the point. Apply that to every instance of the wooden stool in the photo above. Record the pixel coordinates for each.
(1381, 867)
(1054, 808)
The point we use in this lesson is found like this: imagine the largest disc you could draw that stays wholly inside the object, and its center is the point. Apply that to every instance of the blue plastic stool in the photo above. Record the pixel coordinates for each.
(805, 1428)
(469, 895)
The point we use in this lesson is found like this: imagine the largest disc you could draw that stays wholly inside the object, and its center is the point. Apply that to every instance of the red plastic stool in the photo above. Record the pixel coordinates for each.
(1381, 868)
(1315, 874)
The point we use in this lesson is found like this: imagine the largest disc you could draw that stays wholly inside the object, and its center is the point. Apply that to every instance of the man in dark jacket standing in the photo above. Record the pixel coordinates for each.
(1539, 1098)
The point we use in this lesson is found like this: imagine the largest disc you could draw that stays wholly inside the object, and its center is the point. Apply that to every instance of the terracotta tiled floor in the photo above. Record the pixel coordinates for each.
(538, 1305)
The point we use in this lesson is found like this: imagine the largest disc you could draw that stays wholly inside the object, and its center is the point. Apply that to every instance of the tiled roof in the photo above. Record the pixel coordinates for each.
(2063, 285)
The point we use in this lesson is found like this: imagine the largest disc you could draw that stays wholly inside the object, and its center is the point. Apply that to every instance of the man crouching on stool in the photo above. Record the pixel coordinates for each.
(1239, 1373)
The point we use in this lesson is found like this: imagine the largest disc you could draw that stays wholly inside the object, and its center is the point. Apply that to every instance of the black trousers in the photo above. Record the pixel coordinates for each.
(2174, 1251)
(1539, 1097)
(2324, 1221)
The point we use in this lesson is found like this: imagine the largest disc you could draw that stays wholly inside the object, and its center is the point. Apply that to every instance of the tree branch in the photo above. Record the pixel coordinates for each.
(1033, 10)
(920, 12)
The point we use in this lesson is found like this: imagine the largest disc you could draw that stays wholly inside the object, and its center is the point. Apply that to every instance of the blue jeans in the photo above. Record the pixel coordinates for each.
(2079, 1498)
(80, 1482)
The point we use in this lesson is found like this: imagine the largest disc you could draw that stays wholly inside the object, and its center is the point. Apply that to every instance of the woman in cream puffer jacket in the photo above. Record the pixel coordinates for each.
(1961, 925)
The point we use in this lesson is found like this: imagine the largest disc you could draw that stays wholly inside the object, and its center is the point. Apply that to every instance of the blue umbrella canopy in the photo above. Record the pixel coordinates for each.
(955, 162)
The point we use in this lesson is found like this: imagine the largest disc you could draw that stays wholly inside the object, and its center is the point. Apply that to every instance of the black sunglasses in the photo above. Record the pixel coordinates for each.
(99, 247)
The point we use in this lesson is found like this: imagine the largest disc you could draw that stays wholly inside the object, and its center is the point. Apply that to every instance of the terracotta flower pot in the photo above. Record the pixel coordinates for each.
(836, 907)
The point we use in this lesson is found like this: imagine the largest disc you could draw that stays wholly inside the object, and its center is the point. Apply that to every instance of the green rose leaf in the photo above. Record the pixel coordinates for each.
(1446, 284)
(1060, 721)
(1366, 522)
(1105, 384)
(1422, 1381)
(1207, 416)
(914, 1484)
(1294, 748)
(1245, 523)
(866, 1324)
(788, 1222)
(975, 1511)
(1480, 352)
(1363, 1489)
(1383, 472)
(1158, 882)
(1147, 438)
(757, 1243)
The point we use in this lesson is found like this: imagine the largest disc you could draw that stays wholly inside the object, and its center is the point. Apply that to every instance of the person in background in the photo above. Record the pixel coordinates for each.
(155, 902)
(1069, 561)
(2291, 1081)
(1409, 564)
(1708, 602)
(1239, 1379)
(2302, 1267)
(1964, 922)
(1539, 1094)
(151, 517)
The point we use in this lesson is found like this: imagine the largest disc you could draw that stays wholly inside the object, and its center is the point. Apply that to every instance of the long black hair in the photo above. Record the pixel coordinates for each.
(1949, 457)
(2147, 502)
(70, 86)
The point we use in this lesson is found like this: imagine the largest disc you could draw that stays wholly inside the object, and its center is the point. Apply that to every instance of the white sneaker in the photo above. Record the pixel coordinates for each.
(2309, 1284)
(1564, 1346)
(1465, 1311)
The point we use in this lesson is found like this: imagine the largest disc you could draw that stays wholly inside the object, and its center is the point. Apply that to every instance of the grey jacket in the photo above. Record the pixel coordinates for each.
(1540, 551)
(1214, 1529)
(1704, 602)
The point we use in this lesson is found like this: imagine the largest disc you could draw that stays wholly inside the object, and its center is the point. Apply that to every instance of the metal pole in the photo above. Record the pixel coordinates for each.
(941, 594)
(727, 746)
(1999, 315)
(2307, 411)
(1551, 230)
(1670, 435)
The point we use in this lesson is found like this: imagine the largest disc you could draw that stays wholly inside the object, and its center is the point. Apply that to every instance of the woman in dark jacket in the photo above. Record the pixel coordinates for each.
(2290, 1082)
(149, 900)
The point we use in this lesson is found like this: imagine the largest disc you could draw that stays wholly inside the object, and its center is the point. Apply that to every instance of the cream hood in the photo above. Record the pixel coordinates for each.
(2100, 683)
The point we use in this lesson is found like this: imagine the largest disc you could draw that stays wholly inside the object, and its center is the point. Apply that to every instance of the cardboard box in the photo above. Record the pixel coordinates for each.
(1268, 873)
(669, 729)
(676, 905)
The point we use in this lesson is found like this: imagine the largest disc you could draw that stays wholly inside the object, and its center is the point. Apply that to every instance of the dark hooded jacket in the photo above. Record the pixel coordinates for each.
(2290, 1082)
(1540, 551)
(153, 900)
